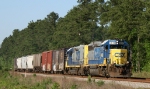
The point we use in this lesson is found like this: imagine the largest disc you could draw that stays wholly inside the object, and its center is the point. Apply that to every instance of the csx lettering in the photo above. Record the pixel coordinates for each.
(119, 54)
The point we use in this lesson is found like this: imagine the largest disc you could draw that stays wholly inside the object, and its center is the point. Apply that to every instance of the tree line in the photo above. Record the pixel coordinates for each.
(90, 20)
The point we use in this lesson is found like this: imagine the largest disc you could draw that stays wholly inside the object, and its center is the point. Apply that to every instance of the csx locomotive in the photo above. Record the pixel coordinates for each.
(109, 58)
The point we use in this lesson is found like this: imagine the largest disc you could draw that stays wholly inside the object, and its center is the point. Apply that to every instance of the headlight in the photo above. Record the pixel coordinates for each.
(117, 42)
(114, 62)
(127, 62)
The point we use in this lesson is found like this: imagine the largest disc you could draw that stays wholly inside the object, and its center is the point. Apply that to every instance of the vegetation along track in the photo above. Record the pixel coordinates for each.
(130, 79)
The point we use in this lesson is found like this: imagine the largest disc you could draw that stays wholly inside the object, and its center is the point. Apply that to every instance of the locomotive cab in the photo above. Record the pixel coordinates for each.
(118, 54)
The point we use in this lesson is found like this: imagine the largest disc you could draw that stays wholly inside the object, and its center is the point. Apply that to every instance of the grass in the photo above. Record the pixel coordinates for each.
(19, 81)
(142, 74)
(71, 83)
(34, 81)
(100, 83)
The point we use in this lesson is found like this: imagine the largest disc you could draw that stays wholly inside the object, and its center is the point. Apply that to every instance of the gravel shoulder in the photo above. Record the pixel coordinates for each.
(125, 83)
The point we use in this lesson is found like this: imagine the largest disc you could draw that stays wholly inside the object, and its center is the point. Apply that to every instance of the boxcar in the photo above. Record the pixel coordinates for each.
(47, 61)
(59, 57)
(55, 60)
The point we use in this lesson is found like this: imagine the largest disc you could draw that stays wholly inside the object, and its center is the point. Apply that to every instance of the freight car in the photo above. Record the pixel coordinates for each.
(30, 63)
(109, 58)
(52, 61)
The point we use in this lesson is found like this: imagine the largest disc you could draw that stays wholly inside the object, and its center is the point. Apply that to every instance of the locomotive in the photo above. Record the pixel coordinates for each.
(109, 58)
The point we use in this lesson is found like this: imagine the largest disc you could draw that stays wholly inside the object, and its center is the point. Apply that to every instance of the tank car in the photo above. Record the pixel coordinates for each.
(109, 58)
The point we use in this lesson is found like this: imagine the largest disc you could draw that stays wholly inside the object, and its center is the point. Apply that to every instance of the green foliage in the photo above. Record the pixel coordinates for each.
(55, 86)
(4, 73)
(0, 67)
(74, 86)
(34, 75)
(143, 74)
(147, 67)
(100, 83)
(89, 79)
(75, 29)
(11, 82)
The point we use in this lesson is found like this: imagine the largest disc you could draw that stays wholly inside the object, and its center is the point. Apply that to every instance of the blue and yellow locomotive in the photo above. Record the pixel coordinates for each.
(109, 58)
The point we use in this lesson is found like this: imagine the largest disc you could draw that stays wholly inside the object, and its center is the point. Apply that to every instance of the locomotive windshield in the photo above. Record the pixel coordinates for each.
(118, 47)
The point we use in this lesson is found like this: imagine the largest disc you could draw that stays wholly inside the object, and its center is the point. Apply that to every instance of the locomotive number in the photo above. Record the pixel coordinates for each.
(119, 54)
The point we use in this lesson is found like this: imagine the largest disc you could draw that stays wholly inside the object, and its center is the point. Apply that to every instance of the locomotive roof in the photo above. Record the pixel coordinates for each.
(95, 43)
(106, 42)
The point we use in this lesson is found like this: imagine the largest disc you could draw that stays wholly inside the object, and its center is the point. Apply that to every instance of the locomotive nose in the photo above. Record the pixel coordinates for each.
(119, 56)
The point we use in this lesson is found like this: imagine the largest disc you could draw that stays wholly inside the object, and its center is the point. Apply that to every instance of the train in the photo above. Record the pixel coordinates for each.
(109, 58)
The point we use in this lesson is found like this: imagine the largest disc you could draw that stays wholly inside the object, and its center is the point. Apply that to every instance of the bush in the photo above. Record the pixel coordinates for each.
(55, 86)
(147, 67)
(89, 79)
(100, 83)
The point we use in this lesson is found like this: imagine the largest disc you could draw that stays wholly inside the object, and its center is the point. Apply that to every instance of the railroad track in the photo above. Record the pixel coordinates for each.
(130, 79)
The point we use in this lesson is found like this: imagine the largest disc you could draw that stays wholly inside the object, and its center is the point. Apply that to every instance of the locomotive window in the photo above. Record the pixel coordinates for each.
(116, 46)
(113, 46)
(90, 48)
(125, 47)
(120, 46)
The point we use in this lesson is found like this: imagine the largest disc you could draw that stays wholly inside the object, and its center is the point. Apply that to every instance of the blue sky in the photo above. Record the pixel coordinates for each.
(16, 14)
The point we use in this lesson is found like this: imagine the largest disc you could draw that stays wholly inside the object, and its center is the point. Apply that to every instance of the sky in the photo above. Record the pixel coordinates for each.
(16, 14)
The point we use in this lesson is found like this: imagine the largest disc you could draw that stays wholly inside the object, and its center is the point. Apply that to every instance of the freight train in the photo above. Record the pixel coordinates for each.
(109, 58)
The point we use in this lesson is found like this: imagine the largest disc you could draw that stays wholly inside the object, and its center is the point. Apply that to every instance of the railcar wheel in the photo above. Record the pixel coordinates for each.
(62, 72)
(107, 75)
(78, 72)
(87, 72)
